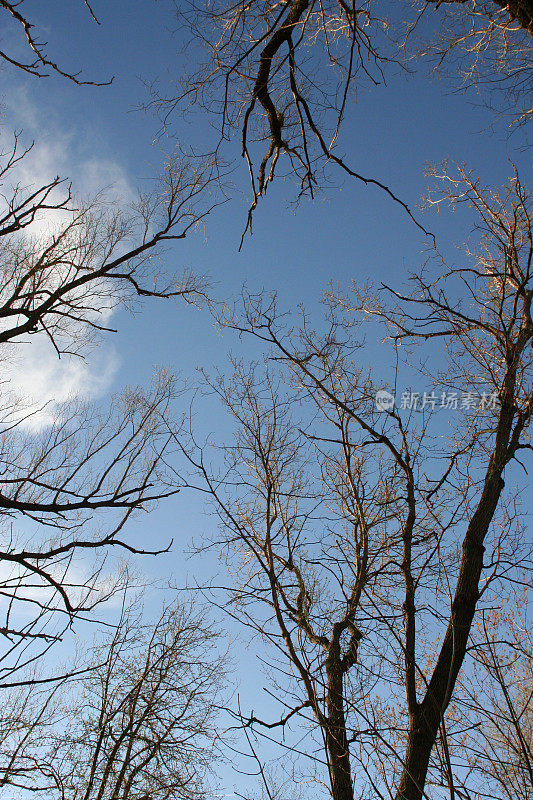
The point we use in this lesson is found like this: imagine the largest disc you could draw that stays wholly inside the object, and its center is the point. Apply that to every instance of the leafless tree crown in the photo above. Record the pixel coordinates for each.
(366, 540)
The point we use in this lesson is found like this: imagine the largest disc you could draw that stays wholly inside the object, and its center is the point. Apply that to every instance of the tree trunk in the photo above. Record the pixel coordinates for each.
(336, 739)
(521, 11)
(425, 720)
(421, 739)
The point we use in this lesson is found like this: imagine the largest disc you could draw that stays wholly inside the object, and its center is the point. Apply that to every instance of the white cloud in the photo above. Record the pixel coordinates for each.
(37, 383)
(35, 376)
(59, 151)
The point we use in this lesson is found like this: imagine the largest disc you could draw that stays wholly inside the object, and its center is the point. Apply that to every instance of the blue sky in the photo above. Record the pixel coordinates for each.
(97, 137)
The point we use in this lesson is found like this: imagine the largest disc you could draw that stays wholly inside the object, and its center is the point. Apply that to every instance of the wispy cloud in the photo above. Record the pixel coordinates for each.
(36, 383)
(35, 377)
(62, 150)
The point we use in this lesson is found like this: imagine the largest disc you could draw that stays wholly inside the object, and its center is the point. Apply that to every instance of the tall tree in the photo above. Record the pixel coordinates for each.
(69, 486)
(138, 720)
(136, 713)
(89, 461)
(144, 722)
(368, 534)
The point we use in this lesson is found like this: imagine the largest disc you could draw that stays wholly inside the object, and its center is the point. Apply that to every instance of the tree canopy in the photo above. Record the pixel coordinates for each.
(346, 468)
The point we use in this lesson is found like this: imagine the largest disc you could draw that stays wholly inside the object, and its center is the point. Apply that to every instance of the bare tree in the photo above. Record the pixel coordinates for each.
(140, 720)
(70, 484)
(280, 76)
(96, 259)
(142, 723)
(69, 487)
(364, 536)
